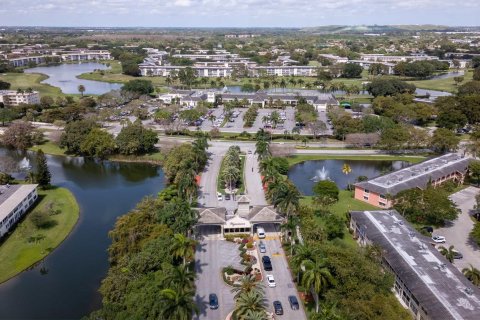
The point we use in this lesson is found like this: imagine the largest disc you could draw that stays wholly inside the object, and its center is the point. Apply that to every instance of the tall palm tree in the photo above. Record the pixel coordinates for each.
(204, 81)
(183, 247)
(472, 274)
(178, 304)
(181, 277)
(249, 302)
(186, 184)
(318, 277)
(449, 253)
(231, 175)
(301, 254)
(286, 199)
(274, 118)
(81, 89)
(346, 169)
(248, 283)
(300, 82)
(283, 84)
(262, 149)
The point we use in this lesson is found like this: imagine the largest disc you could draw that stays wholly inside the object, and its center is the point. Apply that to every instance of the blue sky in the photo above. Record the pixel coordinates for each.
(236, 13)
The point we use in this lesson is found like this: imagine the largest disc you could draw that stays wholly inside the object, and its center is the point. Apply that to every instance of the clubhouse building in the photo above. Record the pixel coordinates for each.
(379, 191)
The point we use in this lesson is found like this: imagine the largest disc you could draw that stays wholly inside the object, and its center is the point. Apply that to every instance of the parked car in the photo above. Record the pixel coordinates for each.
(262, 247)
(271, 281)
(277, 306)
(219, 197)
(293, 302)
(267, 263)
(249, 151)
(438, 239)
(213, 301)
(261, 233)
(227, 196)
(457, 255)
(428, 229)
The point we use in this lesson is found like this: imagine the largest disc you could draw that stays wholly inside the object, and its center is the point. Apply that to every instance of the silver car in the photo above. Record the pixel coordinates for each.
(262, 247)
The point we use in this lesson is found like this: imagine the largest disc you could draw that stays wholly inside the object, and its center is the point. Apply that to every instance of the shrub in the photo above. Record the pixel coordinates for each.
(249, 245)
(41, 219)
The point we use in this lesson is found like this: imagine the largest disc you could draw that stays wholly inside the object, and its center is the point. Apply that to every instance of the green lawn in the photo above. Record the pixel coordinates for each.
(49, 148)
(31, 80)
(18, 254)
(441, 84)
(292, 160)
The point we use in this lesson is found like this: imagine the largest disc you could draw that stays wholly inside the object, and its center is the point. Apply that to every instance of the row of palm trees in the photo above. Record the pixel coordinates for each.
(231, 172)
(250, 302)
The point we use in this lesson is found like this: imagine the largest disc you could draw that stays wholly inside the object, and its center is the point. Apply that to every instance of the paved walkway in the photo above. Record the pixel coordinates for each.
(457, 233)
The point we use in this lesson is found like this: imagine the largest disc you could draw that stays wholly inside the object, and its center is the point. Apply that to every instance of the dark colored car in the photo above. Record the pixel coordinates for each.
(227, 197)
(293, 302)
(277, 306)
(457, 255)
(213, 301)
(267, 264)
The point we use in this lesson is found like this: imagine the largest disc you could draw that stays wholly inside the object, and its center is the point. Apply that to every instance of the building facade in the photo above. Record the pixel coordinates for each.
(429, 286)
(380, 191)
(11, 98)
(15, 200)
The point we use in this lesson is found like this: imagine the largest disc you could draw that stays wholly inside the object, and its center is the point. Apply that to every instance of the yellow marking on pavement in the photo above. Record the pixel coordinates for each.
(277, 255)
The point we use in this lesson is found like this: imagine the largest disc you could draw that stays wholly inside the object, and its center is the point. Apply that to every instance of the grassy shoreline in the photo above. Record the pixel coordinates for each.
(18, 254)
(295, 159)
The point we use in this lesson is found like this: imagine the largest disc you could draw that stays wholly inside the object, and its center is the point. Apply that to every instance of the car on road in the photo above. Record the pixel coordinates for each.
(227, 196)
(267, 263)
(261, 233)
(293, 302)
(277, 307)
(271, 281)
(438, 239)
(213, 301)
(249, 151)
(457, 255)
(262, 247)
(219, 197)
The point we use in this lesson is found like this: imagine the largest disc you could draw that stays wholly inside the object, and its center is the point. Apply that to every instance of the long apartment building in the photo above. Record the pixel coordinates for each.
(284, 71)
(11, 98)
(429, 286)
(379, 191)
(15, 200)
(80, 55)
(394, 59)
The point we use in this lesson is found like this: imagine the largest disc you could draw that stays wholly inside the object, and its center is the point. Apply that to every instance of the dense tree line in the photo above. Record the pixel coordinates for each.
(389, 87)
(420, 69)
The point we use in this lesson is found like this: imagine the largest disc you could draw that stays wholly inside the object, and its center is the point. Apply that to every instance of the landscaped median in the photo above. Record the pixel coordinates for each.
(29, 243)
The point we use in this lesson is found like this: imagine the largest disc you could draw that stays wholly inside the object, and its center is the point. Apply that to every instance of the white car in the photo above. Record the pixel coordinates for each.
(438, 239)
(219, 197)
(271, 281)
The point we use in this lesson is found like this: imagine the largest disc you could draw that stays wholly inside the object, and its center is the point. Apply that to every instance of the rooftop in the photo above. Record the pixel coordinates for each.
(418, 175)
(12, 195)
(442, 290)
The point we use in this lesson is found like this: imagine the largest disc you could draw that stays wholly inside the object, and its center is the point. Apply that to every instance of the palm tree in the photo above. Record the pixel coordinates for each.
(327, 312)
(204, 81)
(186, 183)
(212, 118)
(178, 304)
(318, 277)
(248, 283)
(230, 175)
(168, 81)
(449, 253)
(283, 84)
(181, 277)
(300, 81)
(274, 118)
(346, 169)
(248, 303)
(301, 254)
(81, 89)
(275, 83)
(286, 199)
(183, 247)
(262, 150)
(472, 274)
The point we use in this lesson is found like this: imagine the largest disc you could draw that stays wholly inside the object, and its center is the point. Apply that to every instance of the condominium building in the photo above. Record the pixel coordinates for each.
(85, 55)
(205, 56)
(428, 285)
(395, 59)
(15, 200)
(379, 191)
(15, 98)
(284, 71)
(25, 61)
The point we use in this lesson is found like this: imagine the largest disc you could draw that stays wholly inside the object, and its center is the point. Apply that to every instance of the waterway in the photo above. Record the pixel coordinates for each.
(104, 191)
(64, 76)
(306, 174)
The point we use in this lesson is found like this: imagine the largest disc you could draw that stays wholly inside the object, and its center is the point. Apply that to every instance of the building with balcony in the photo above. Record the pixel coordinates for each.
(15, 200)
(380, 191)
(11, 98)
(428, 285)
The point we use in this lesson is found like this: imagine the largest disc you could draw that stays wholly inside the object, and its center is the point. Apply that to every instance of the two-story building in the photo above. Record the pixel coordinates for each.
(15, 200)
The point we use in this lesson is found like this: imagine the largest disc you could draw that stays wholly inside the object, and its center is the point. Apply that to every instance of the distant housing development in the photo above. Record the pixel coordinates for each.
(15, 200)
(378, 191)
(58, 56)
(14, 98)
(425, 282)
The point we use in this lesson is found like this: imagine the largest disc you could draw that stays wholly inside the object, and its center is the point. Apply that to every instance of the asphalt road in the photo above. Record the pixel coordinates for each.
(283, 280)
(457, 233)
(211, 257)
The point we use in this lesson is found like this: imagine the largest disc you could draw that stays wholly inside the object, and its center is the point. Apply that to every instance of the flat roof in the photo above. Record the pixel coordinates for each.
(418, 175)
(441, 290)
(11, 196)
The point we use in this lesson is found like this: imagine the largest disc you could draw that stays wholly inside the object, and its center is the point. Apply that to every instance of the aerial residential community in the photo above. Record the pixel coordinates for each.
(222, 161)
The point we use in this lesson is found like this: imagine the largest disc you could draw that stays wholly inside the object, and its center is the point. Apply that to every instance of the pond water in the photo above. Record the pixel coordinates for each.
(64, 76)
(104, 191)
(305, 174)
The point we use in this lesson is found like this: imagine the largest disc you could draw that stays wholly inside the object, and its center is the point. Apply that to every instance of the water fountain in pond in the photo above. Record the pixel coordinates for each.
(25, 164)
(321, 175)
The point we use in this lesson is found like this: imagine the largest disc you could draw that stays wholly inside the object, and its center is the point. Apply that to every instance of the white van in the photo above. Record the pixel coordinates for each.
(261, 233)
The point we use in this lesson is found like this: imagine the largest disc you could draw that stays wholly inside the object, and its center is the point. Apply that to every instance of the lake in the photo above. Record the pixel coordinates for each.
(303, 174)
(64, 76)
(104, 191)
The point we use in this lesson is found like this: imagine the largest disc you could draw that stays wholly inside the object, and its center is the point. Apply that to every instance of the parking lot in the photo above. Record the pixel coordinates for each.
(457, 232)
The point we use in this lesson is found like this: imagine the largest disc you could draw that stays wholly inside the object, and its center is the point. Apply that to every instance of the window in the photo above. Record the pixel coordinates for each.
(365, 198)
(367, 191)
(382, 196)
(382, 204)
